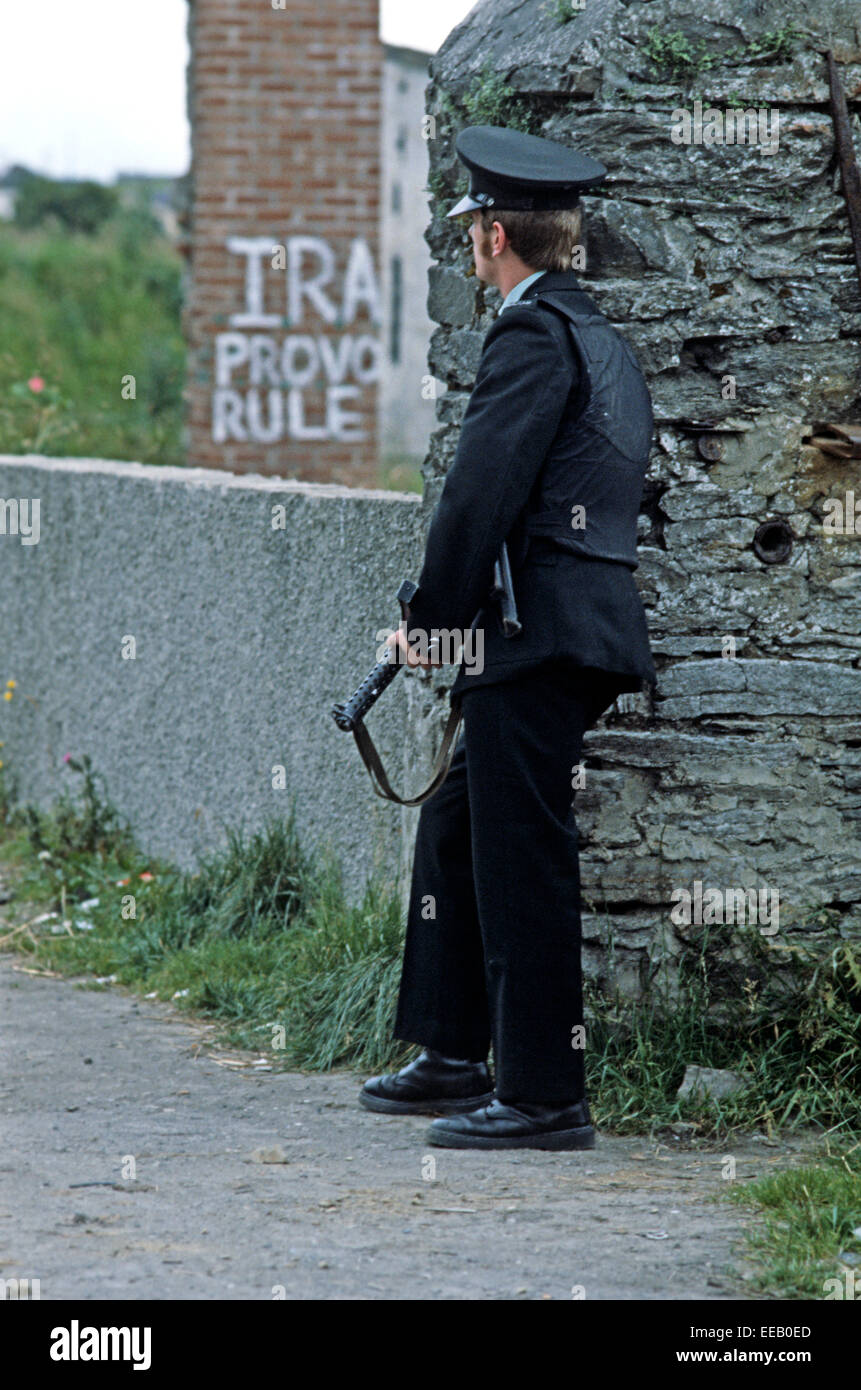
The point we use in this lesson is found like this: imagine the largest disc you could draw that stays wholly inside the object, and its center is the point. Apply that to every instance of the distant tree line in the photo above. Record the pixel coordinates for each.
(78, 205)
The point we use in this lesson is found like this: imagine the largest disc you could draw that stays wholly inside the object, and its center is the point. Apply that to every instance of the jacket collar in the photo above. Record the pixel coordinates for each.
(552, 280)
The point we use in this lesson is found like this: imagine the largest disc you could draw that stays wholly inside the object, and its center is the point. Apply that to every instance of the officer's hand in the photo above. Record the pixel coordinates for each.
(413, 654)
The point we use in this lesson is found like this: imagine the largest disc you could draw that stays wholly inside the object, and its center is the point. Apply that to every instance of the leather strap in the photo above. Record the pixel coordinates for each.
(562, 316)
(379, 780)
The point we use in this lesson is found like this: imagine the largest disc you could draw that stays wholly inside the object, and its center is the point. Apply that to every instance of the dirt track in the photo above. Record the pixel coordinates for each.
(90, 1077)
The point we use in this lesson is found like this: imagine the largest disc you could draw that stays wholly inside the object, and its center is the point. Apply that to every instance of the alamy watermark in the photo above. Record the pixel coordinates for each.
(842, 517)
(20, 516)
(23, 1290)
(444, 645)
(756, 126)
(725, 905)
(77, 1343)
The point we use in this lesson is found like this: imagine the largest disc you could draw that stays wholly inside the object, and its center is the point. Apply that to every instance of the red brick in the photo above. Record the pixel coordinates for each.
(286, 132)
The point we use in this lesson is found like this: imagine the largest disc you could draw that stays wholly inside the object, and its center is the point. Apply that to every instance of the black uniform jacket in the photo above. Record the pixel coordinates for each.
(551, 457)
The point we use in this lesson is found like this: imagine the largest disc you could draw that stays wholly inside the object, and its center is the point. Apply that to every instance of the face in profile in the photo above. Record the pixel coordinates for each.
(482, 244)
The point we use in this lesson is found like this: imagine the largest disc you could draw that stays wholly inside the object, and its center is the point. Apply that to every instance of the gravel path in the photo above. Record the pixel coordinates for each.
(254, 1185)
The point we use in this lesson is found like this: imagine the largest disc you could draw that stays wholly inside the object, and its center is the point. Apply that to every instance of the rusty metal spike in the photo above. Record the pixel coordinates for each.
(846, 157)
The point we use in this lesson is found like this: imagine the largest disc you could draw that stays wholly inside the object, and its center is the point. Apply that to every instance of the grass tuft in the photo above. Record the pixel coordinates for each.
(810, 1217)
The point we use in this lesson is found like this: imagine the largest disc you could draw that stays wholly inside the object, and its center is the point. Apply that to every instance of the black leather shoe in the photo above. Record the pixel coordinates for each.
(521, 1126)
(431, 1085)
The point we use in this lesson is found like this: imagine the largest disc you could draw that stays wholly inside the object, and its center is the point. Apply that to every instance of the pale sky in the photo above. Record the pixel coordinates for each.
(89, 87)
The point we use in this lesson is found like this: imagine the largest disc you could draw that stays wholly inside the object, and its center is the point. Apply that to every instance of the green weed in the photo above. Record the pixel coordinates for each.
(810, 1217)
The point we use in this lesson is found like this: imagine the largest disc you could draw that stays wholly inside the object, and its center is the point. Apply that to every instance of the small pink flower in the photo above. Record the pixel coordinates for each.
(36, 383)
(67, 757)
(146, 877)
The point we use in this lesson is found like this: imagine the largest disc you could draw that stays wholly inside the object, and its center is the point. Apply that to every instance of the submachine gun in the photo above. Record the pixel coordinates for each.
(349, 715)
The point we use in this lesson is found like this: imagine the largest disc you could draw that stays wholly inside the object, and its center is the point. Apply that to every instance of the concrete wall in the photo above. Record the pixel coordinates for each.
(244, 636)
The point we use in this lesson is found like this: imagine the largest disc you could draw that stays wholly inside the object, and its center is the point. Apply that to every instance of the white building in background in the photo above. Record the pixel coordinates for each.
(8, 193)
(406, 418)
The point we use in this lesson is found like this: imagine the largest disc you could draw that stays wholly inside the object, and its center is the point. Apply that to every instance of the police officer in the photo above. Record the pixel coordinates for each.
(551, 459)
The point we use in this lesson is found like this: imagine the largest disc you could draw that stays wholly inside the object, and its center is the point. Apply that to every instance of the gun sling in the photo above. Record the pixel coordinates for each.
(349, 715)
(376, 771)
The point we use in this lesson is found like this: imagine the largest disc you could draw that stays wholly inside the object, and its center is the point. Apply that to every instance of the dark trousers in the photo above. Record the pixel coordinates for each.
(493, 932)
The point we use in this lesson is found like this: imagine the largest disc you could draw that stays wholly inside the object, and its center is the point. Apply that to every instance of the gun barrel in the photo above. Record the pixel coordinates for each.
(349, 712)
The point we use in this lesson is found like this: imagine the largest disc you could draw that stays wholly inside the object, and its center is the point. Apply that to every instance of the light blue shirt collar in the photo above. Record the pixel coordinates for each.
(520, 289)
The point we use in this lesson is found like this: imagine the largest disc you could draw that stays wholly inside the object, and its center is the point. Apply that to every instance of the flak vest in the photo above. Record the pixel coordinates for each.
(593, 475)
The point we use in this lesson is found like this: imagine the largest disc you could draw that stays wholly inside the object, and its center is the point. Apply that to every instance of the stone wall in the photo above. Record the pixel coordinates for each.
(729, 269)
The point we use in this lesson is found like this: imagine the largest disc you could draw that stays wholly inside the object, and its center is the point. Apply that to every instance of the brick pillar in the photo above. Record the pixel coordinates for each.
(282, 314)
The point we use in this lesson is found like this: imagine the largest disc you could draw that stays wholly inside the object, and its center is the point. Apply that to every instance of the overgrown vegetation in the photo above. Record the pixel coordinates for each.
(78, 206)
(563, 11)
(400, 472)
(675, 55)
(811, 1217)
(261, 937)
(772, 46)
(92, 357)
(489, 100)
(789, 1022)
